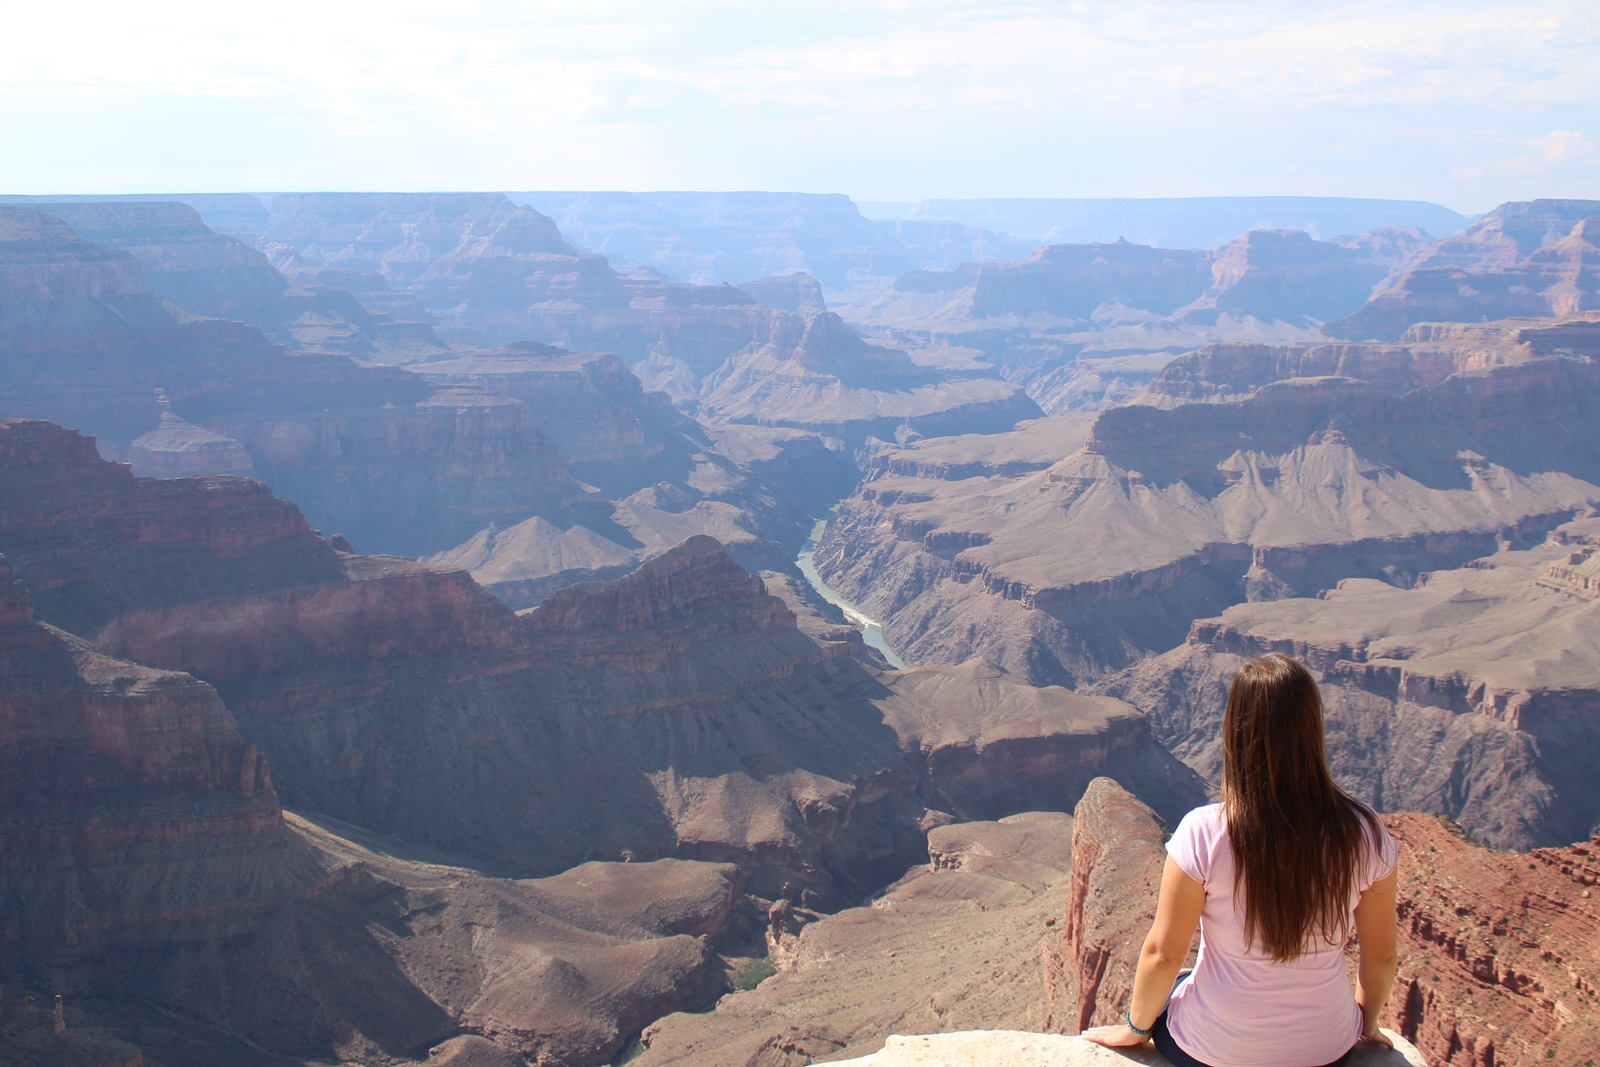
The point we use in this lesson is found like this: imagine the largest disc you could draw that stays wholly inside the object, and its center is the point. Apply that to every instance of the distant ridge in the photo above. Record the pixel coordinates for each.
(1174, 222)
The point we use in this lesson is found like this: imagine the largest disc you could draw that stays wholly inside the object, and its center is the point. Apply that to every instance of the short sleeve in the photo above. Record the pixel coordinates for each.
(1190, 844)
(1383, 856)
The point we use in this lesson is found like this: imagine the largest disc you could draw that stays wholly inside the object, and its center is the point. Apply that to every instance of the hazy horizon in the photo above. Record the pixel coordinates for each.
(1461, 104)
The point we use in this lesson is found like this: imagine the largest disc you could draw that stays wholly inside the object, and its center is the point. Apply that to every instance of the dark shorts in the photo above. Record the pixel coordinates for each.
(1179, 1058)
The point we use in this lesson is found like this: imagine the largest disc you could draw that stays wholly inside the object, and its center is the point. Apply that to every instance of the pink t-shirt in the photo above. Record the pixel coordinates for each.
(1239, 1008)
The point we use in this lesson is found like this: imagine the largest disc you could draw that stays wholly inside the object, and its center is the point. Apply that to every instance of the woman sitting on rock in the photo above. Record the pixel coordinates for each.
(1278, 876)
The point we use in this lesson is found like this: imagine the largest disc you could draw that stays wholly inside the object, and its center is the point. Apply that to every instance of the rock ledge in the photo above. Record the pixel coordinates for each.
(1017, 1048)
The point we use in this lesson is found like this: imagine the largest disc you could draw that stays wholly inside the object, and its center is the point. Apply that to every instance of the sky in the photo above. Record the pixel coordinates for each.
(1467, 103)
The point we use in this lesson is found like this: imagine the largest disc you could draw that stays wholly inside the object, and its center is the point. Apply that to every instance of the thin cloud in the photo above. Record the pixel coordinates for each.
(1448, 101)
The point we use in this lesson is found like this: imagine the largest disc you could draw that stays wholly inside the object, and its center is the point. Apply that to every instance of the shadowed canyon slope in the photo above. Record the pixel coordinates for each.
(375, 453)
(676, 713)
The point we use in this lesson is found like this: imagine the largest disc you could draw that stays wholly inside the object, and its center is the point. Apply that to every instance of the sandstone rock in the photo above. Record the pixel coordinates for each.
(178, 449)
(92, 541)
(134, 813)
(798, 292)
(827, 379)
(33, 1037)
(1499, 952)
(1284, 275)
(1117, 857)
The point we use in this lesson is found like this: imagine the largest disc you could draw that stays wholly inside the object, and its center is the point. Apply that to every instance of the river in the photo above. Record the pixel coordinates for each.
(871, 631)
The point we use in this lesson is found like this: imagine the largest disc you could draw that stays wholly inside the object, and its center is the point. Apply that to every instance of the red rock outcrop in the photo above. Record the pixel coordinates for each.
(112, 776)
(92, 541)
(1499, 952)
(1117, 856)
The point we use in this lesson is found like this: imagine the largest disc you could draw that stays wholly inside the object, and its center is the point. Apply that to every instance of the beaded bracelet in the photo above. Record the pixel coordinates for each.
(1127, 1017)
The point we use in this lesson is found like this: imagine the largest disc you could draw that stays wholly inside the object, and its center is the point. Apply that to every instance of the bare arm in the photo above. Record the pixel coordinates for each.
(1177, 913)
(1376, 933)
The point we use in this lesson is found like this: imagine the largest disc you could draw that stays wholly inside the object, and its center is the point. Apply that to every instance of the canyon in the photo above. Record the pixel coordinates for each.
(406, 659)
(710, 752)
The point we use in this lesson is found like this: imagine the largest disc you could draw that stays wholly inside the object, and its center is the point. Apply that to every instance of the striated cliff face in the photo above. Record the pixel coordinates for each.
(1085, 326)
(1172, 510)
(825, 378)
(1117, 856)
(113, 778)
(1474, 693)
(218, 276)
(92, 541)
(1286, 276)
(357, 446)
(1499, 951)
(1522, 259)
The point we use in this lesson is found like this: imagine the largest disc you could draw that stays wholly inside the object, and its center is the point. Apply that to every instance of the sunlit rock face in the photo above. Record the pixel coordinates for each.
(1078, 545)
(1535, 258)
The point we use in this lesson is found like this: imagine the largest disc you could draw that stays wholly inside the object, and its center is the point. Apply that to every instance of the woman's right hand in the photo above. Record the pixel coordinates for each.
(1117, 1035)
(1371, 1035)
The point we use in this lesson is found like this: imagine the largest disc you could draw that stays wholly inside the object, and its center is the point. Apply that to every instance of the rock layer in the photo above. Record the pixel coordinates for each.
(87, 343)
(214, 275)
(1533, 258)
(1476, 693)
(1170, 511)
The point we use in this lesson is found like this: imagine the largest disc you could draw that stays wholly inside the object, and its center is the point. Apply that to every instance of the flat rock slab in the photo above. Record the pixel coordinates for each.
(1016, 1048)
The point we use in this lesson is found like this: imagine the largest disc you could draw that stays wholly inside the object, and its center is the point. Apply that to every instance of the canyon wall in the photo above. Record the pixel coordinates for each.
(1172, 510)
(1476, 693)
(89, 344)
(215, 275)
(1533, 258)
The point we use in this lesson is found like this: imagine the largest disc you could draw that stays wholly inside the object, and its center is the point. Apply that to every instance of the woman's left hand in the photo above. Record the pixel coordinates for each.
(1117, 1035)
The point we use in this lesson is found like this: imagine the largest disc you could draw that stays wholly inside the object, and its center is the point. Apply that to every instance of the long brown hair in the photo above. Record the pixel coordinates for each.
(1298, 840)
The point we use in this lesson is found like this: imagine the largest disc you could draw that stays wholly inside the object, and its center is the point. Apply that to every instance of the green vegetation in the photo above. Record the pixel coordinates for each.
(756, 973)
